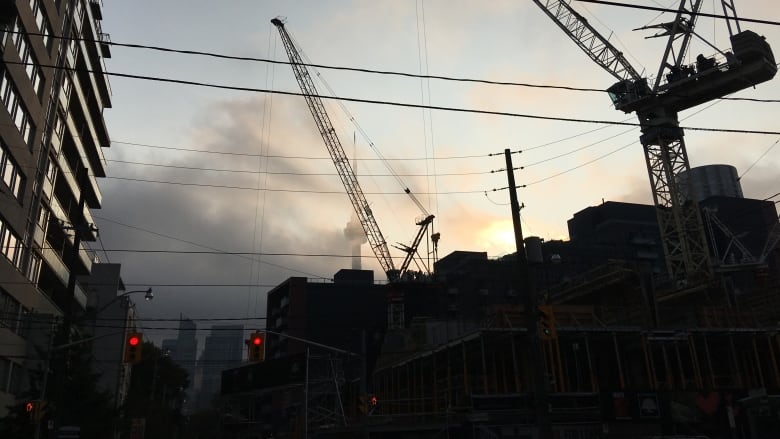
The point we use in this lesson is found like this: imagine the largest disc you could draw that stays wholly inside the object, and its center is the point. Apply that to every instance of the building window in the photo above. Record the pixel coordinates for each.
(9, 311)
(35, 268)
(43, 23)
(67, 86)
(31, 66)
(10, 245)
(15, 107)
(10, 173)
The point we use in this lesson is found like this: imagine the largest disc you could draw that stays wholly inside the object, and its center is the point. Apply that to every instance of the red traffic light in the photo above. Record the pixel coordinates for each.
(256, 345)
(29, 407)
(133, 347)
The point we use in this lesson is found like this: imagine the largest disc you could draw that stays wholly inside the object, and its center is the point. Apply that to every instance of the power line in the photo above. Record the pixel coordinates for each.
(304, 191)
(758, 159)
(403, 104)
(162, 235)
(357, 69)
(236, 253)
(674, 11)
(305, 174)
(205, 151)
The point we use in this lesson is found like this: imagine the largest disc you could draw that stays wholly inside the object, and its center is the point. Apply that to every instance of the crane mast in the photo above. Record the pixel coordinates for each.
(366, 217)
(752, 62)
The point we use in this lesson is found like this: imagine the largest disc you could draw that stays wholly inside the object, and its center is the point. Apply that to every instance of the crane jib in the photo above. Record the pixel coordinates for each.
(366, 217)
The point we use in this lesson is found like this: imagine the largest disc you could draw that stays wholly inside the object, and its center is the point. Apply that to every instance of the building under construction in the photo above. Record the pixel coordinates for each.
(623, 354)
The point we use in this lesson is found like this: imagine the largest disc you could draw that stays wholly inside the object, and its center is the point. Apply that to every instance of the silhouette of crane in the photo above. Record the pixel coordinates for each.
(677, 86)
(365, 216)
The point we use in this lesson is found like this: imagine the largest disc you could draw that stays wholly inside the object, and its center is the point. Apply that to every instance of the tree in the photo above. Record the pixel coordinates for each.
(157, 394)
(72, 397)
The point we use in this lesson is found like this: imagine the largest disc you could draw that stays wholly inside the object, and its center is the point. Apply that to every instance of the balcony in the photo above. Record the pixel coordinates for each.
(96, 7)
(105, 44)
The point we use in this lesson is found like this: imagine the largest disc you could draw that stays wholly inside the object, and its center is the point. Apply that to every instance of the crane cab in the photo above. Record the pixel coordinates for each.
(752, 62)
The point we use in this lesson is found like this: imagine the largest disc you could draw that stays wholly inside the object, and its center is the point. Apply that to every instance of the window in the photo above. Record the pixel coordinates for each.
(9, 311)
(43, 23)
(15, 107)
(35, 268)
(67, 86)
(10, 245)
(31, 66)
(10, 173)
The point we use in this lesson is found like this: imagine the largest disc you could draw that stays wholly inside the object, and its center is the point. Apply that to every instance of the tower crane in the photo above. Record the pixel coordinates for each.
(363, 211)
(657, 105)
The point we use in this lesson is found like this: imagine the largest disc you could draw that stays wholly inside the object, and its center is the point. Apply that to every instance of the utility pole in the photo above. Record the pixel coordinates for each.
(539, 379)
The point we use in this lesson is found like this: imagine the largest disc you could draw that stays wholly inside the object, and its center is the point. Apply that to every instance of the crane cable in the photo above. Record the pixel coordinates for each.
(357, 125)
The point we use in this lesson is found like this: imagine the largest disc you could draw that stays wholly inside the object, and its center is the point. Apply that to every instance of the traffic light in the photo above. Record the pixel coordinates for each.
(30, 408)
(546, 321)
(367, 403)
(133, 343)
(256, 345)
(35, 410)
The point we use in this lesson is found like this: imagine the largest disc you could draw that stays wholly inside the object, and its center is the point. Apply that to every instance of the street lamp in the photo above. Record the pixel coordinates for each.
(148, 296)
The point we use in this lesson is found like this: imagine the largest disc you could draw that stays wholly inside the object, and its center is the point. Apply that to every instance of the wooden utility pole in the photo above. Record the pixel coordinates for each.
(540, 383)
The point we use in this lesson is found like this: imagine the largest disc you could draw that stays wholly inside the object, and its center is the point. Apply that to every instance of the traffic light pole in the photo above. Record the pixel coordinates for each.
(313, 343)
(540, 382)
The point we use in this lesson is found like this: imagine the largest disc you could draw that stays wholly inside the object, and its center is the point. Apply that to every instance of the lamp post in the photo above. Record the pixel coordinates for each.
(148, 296)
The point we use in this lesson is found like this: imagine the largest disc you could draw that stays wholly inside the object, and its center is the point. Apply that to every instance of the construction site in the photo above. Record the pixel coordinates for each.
(650, 321)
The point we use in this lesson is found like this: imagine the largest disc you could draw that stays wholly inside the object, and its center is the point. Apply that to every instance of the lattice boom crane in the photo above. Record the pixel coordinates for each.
(749, 63)
(366, 217)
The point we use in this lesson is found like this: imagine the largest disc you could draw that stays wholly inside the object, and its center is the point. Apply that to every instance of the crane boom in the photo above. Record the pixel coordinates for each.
(345, 171)
(598, 48)
(337, 154)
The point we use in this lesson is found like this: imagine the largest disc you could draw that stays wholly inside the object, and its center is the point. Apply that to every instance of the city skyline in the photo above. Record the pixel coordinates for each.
(520, 44)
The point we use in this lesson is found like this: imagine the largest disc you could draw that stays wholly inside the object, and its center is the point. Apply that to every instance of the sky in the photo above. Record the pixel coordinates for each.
(198, 174)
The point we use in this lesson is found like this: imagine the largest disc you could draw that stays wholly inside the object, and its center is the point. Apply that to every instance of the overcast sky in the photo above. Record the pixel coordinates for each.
(282, 194)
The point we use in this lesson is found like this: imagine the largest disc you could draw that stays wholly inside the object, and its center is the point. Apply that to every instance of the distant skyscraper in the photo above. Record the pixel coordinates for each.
(223, 350)
(355, 235)
(186, 350)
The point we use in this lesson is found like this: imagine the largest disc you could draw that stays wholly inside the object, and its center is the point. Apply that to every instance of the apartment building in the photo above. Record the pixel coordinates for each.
(53, 88)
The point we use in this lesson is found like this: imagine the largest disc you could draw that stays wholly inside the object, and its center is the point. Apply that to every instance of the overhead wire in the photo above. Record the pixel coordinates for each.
(403, 104)
(265, 143)
(197, 244)
(674, 11)
(758, 159)
(301, 191)
(205, 151)
(304, 174)
(352, 69)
